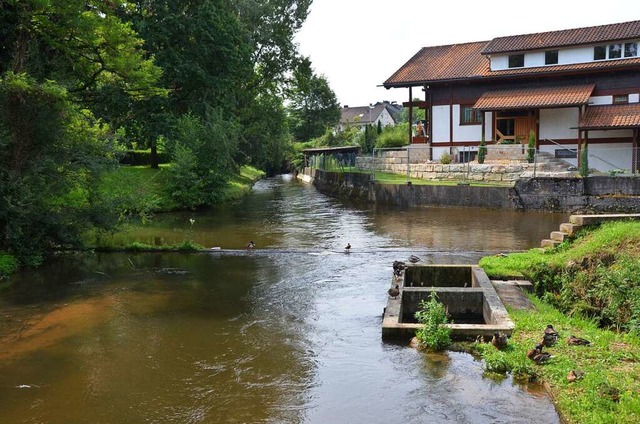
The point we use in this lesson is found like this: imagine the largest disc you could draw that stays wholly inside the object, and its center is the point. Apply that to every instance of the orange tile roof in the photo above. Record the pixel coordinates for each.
(569, 95)
(467, 61)
(611, 116)
(454, 61)
(568, 37)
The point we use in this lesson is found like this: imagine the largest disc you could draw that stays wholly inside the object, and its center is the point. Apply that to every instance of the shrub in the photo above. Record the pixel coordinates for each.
(584, 161)
(433, 315)
(445, 158)
(8, 264)
(482, 151)
(393, 136)
(531, 148)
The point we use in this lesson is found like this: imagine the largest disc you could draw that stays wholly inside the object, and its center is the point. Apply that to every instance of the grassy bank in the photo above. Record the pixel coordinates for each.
(142, 190)
(588, 287)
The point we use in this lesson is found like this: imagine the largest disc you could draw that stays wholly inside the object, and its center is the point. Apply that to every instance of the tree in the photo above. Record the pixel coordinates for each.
(314, 106)
(56, 58)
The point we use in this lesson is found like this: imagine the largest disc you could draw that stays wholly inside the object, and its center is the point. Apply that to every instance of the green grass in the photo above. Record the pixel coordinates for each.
(392, 178)
(142, 189)
(610, 238)
(612, 359)
(596, 274)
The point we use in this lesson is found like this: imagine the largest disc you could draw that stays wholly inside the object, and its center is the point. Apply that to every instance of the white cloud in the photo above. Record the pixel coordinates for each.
(358, 44)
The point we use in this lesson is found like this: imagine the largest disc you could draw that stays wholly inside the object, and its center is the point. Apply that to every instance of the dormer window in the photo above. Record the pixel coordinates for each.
(620, 99)
(630, 49)
(551, 57)
(615, 51)
(599, 52)
(516, 60)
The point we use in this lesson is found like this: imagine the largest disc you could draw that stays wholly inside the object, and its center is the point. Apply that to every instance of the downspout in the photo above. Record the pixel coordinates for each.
(450, 120)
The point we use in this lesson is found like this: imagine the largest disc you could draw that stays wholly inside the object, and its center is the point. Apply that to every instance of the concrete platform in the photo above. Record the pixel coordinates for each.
(465, 290)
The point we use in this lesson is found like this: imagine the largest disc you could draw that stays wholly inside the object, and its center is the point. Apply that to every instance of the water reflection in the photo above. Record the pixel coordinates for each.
(288, 333)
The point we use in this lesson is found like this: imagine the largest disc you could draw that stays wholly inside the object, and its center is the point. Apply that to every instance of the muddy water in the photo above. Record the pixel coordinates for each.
(287, 333)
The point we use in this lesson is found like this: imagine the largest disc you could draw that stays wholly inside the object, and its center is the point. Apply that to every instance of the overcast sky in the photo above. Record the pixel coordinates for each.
(358, 44)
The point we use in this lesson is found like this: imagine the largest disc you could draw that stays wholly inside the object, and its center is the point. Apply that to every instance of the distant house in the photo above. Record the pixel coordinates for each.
(386, 113)
(569, 87)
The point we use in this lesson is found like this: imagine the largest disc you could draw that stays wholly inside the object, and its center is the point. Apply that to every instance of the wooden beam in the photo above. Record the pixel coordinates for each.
(421, 105)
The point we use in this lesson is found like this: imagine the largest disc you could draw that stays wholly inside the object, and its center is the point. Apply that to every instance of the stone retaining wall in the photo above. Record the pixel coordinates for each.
(573, 195)
(397, 162)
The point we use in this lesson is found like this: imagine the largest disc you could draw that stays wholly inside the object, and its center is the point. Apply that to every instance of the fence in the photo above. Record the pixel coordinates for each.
(502, 163)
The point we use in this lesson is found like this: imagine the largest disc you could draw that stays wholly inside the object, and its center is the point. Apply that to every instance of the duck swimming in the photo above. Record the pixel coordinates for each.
(347, 247)
(414, 259)
(251, 245)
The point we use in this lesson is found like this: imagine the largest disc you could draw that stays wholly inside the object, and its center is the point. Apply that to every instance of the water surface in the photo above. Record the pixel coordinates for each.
(287, 333)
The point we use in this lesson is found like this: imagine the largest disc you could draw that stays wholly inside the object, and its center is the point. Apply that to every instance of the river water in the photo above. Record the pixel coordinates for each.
(287, 333)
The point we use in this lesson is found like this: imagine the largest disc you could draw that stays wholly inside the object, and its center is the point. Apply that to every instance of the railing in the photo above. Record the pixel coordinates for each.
(613, 166)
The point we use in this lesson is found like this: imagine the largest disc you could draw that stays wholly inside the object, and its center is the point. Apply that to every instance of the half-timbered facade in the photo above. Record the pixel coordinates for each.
(568, 87)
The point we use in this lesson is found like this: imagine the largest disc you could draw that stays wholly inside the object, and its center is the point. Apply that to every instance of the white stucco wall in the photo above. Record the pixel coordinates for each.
(557, 123)
(566, 56)
(440, 123)
(610, 134)
(464, 132)
(610, 156)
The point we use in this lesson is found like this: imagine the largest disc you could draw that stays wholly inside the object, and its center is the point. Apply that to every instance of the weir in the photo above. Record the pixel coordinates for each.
(472, 303)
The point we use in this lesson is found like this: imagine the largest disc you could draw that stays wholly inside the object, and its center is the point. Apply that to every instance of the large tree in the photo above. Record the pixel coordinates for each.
(314, 106)
(55, 57)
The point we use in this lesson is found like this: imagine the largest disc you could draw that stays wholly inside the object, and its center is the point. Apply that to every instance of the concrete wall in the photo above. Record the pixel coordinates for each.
(574, 195)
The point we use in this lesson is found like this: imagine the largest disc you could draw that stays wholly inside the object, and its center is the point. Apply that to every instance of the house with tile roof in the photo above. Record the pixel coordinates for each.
(387, 113)
(569, 87)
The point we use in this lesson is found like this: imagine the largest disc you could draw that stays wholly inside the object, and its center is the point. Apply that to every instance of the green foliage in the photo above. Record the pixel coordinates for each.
(417, 113)
(445, 158)
(368, 140)
(584, 161)
(531, 147)
(482, 151)
(433, 315)
(314, 107)
(393, 136)
(51, 156)
(595, 275)
(203, 159)
(8, 264)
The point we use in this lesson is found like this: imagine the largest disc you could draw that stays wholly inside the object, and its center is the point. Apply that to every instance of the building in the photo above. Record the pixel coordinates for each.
(387, 113)
(567, 87)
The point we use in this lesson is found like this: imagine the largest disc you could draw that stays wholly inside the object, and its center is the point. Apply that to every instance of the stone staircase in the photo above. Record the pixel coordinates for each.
(568, 229)
(549, 163)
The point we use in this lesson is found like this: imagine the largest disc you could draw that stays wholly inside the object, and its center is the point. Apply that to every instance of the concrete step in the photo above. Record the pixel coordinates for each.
(558, 236)
(549, 243)
(569, 228)
(597, 219)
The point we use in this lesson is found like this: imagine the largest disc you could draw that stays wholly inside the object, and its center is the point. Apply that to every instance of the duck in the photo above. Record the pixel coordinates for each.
(251, 245)
(549, 340)
(347, 247)
(577, 341)
(574, 375)
(499, 340)
(538, 356)
(550, 330)
(394, 291)
(413, 259)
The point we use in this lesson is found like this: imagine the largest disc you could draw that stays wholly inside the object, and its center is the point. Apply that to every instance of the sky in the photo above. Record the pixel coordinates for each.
(358, 44)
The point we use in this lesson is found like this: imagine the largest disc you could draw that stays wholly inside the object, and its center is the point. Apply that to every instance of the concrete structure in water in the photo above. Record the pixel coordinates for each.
(466, 291)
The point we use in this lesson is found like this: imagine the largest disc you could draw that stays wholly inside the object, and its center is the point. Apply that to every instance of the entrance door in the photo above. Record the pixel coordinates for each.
(515, 125)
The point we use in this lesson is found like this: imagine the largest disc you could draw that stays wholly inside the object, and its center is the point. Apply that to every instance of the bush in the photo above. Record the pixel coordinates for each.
(8, 264)
(393, 136)
(584, 161)
(445, 158)
(142, 158)
(482, 151)
(433, 315)
(531, 147)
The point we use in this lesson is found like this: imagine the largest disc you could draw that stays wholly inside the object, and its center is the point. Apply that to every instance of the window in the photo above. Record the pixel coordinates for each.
(630, 49)
(551, 57)
(615, 51)
(620, 99)
(470, 116)
(516, 61)
(599, 52)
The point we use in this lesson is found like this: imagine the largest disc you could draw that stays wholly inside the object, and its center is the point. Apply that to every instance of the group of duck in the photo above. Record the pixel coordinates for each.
(538, 355)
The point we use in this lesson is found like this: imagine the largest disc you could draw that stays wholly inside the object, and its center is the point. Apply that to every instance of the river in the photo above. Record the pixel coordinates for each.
(289, 332)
